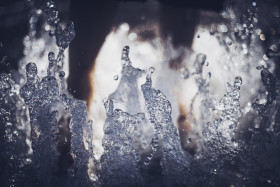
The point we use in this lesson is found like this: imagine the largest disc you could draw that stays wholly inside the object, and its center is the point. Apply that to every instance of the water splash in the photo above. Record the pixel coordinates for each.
(47, 138)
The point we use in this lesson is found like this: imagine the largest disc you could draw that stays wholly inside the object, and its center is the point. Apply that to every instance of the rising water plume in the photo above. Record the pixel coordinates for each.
(47, 136)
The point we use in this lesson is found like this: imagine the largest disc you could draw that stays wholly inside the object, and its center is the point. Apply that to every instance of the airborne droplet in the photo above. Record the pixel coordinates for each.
(151, 69)
(237, 82)
(184, 73)
(61, 74)
(51, 56)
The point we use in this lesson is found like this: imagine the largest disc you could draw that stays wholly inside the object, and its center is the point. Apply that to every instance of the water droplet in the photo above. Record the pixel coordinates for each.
(31, 71)
(237, 82)
(124, 27)
(116, 77)
(184, 73)
(151, 70)
(132, 36)
(61, 74)
(125, 57)
(51, 56)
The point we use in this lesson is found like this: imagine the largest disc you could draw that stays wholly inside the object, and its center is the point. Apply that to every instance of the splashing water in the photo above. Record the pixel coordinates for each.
(47, 137)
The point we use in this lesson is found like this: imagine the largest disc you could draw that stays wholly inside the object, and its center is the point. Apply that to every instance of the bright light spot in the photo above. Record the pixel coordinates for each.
(47, 27)
(262, 37)
(124, 27)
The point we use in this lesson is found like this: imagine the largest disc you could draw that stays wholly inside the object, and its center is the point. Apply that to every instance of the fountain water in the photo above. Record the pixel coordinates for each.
(47, 137)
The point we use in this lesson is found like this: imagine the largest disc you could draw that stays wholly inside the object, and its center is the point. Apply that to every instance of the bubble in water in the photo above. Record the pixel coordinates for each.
(116, 77)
